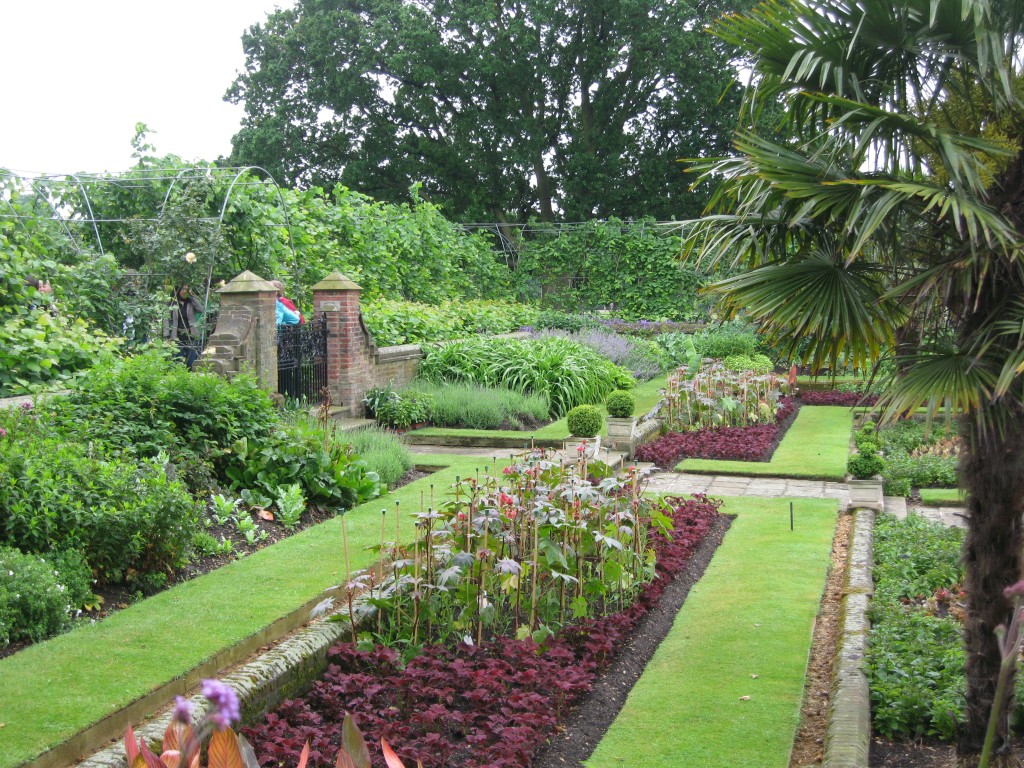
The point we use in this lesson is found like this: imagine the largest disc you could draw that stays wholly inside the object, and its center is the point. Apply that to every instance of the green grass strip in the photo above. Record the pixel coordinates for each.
(646, 395)
(53, 690)
(942, 497)
(816, 446)
(744, 631)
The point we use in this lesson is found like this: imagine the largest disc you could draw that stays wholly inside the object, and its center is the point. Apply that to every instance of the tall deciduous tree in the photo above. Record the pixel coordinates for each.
(897, 203)
(506, 109)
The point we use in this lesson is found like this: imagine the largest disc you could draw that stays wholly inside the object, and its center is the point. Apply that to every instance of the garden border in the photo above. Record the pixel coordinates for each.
(848, 734)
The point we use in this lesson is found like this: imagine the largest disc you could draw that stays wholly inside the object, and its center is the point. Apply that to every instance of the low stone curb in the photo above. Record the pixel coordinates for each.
(848, 734)
(283, 672)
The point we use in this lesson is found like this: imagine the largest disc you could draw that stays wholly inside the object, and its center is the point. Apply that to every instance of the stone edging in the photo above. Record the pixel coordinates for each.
(848, 735)
(283, 672)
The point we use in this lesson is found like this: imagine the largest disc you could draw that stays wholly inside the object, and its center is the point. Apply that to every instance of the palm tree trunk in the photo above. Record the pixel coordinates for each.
(992, 472)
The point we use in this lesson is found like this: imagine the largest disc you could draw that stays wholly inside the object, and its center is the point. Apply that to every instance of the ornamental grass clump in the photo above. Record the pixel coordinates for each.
(565, 372)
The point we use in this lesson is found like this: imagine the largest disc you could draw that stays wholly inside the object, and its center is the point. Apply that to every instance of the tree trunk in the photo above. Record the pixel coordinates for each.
(992, 472)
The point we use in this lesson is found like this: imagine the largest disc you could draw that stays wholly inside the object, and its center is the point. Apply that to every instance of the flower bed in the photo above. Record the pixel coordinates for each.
(754, 443)
(835, 397)
(490, 704)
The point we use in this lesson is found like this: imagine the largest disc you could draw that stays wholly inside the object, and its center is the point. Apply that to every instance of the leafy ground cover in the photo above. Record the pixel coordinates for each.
(915, 656)
(54, 689)
(726, 685)
(491, 704)
(816, 445)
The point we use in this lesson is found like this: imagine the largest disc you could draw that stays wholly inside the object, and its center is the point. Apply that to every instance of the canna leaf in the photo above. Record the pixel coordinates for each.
(223, 751)
(353, 743)
(390, 758)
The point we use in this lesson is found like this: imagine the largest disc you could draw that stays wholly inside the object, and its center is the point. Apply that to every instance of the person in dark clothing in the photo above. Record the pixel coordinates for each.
(181, 323)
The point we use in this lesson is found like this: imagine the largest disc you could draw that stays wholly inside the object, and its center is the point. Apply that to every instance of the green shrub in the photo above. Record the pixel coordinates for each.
(584, 421)
(296, 454)
(865, 465)
(126, 518)
(33, 604)
(40, 351)
(721, 341)
(404, 410)
(903, 472)
(73, 572)
(757, 363)
(392, 322)
(382, 451)
(150, 403)
(620, 404)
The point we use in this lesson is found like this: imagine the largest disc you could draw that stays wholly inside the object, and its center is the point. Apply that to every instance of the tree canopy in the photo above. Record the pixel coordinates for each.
(502, 111)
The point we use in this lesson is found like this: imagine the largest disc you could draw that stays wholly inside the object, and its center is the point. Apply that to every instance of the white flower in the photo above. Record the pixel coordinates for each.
(190, 257)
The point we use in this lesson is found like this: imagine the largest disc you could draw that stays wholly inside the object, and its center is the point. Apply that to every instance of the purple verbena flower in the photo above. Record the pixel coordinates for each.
(182, 710)
(225, 700)
(26, 406)
(3, 432)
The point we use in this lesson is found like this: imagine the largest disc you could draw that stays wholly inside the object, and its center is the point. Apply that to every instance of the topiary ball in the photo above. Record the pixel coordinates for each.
(584, 421)
(620, 404)
(865, 465)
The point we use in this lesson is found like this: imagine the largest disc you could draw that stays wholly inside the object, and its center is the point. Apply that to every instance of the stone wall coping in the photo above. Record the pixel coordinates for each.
(399, 352)
(248, 282)
(336, 281)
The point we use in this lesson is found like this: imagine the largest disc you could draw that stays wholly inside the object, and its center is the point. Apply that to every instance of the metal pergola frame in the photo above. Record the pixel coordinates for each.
(66, 213)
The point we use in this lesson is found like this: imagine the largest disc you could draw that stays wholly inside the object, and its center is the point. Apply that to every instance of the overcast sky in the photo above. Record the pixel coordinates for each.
(79, 74)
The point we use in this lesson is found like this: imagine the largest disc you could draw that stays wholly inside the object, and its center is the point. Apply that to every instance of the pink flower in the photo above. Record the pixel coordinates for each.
(3, 432)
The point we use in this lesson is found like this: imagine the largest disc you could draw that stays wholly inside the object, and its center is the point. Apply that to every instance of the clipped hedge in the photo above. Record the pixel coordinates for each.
(392, 322)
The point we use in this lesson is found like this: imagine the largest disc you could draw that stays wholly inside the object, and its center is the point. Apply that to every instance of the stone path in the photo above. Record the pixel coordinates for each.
(685, 483)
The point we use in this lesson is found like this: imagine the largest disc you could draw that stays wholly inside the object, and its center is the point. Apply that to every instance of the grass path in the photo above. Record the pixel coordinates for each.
(816, 446)
(744, 631)
(54, 689)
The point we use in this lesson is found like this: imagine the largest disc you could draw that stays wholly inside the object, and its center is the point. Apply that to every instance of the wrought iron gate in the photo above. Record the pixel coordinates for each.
(302, 359)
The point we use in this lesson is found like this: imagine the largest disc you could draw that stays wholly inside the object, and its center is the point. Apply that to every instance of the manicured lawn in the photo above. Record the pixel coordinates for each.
(725, 687)
(939, 497)
(52, 690)
(817, 446)
(646, 395)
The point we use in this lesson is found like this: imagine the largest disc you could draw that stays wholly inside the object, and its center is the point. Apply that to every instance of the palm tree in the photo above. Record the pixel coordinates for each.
(885, 216)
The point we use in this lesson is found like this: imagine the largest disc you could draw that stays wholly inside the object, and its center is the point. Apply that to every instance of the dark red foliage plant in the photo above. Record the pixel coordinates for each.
(470, 706)
(834, 397)
(754, 443)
